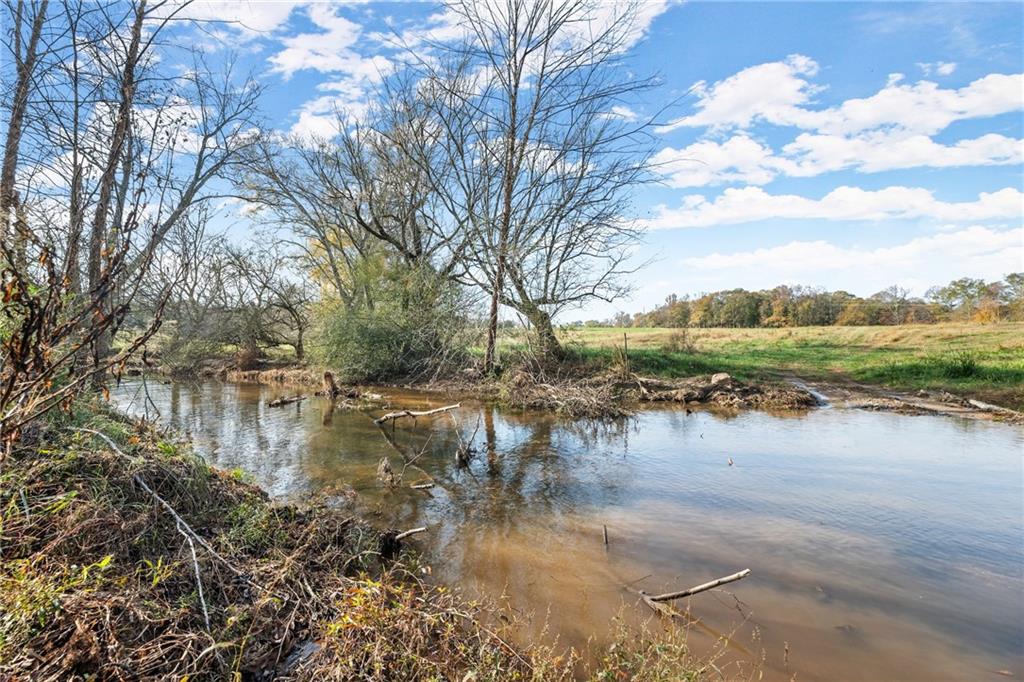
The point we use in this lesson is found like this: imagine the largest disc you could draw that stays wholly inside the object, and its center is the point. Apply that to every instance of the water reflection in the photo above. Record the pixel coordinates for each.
(883, 546)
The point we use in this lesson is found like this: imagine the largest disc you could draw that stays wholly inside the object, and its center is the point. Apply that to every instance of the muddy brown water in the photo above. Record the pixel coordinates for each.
(883, 546)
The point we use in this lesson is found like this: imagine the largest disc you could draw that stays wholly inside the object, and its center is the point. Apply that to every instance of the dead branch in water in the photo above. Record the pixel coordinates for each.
(391, 541)
(411, 531)
(411, 413)
(281, 402)
(408, 461)
(464, 453)
(385, 474)
(670, 596)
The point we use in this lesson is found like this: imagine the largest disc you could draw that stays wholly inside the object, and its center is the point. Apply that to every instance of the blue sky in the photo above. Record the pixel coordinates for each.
(844, 145)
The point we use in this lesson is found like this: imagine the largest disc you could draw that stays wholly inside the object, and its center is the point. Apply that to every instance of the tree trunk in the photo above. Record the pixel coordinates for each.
(508, 182)
(19, 105)
(492, 318)
(100, 284)
(548, 347)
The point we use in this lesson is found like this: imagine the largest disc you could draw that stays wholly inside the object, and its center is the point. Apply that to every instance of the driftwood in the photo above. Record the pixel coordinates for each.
(391, 541)
(408, 461)
(280, 402)
(411, 531)
(411, 413)
(671, 596)
(330, 389)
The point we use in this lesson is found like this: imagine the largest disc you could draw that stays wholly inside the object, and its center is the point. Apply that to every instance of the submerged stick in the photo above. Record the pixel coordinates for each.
(411, 413)
(411, 531)
(280, 402)
(670, 596)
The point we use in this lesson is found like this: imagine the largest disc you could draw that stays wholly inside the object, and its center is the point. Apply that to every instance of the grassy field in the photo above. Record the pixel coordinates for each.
(979, 361)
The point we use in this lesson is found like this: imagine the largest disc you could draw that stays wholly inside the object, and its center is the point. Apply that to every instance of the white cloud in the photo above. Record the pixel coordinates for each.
(923, 107)
(742, 159)
(940, 68)
(888, 130)
(750, 204)
(975, 251)
(247, 17)
(813, 154)
(738, 159)
(329, 50)
(440, 27)
(319, 117)
(447, 25)
(779, 93)
(624, 113)
(646, 13)
(772, 92)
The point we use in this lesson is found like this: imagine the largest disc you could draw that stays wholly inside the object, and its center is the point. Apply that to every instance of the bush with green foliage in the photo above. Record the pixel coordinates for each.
(413, 325)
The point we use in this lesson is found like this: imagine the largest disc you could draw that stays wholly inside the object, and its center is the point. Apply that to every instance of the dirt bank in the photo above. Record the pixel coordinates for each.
(584, 392)
(840, 392)
(576, 393)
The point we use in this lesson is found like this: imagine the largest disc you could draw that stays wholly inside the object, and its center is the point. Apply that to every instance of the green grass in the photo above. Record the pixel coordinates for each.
(980, 361)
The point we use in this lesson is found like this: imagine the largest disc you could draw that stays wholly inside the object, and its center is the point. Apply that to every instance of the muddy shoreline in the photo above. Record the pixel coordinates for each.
(608, 394)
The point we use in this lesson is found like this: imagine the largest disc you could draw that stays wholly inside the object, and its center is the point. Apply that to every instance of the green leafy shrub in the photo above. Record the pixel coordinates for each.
(415, 326)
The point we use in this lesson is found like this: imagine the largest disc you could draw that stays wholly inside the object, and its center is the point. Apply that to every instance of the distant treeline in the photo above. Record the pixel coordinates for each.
(964, 299)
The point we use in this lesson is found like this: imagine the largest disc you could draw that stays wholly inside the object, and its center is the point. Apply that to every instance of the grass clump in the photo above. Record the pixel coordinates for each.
(960, 365)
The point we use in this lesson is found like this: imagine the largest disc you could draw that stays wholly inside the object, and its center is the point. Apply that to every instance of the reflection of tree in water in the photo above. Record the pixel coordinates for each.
(525, 464)
(231, 427)
(529, 469)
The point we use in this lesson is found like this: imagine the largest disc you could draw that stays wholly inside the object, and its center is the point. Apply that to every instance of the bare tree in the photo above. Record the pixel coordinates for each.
(297, 185)
(897, 300)
(392, 165)
(273, 298)
(366, 195)
(102, 137)
(545, 153)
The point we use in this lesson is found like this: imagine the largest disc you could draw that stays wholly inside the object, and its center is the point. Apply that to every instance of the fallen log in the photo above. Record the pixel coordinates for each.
(411, 413)
(671, 596)
(280, 402)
